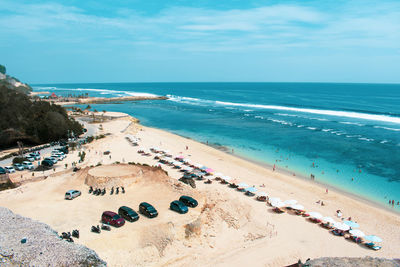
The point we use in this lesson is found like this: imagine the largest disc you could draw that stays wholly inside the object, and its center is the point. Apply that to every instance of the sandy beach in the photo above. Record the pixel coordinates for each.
(228, 228)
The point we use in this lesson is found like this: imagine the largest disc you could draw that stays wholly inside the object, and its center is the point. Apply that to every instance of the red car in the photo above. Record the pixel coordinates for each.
(112, 218)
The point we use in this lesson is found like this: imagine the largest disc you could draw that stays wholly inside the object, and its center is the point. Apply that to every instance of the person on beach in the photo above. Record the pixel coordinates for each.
(273, 169)
(339, 213)
(187, 147)
(326, 191)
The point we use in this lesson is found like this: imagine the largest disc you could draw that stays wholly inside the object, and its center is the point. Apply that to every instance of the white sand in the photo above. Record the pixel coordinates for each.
(231, 229)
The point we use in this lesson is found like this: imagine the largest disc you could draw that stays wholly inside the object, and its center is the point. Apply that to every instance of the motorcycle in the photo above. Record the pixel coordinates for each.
(90, 190)
(123, 190)
(75, 233)
(117, 191)
(96, 229)
(105, 227)
(103, 192)
(112, 190)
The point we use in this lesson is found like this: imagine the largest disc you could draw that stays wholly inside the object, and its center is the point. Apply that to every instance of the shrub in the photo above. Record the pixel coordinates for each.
(18, 160)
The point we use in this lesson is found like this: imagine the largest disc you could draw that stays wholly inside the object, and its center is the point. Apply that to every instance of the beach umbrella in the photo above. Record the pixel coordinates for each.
(290, 202)
(351, 224)
(209, 170)
(277, 204)
(243, 185)
(274, 199)
(251, 189)
(315, 215)
(226, 178)
(329, 220)
(204, 168)
(341, 226)
(297, 207)
(373, 238)
(357, 233)
(262, 194)
(179, 157)
(198, 166)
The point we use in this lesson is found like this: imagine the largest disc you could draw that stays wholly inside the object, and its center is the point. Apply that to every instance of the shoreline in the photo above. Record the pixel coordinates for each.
(232, 228)
(288, 173)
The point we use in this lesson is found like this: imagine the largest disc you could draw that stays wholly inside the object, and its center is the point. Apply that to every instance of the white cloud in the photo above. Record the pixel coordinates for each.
(264, 28)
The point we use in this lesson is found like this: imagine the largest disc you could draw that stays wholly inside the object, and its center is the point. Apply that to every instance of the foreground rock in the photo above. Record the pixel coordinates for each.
(43, 247)
(353, 262)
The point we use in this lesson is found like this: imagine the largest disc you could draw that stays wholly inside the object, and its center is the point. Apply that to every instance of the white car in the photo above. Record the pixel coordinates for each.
(71, 194)
(28, 165)
(58, 156)
(9, 169)
(18, 167)
(31, 159)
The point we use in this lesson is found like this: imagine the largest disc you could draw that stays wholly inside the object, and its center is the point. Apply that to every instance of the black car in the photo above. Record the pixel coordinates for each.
(47, 163)
(147, 210)
(2, 170)
(178, 206)
(128, 214)
(189, 201)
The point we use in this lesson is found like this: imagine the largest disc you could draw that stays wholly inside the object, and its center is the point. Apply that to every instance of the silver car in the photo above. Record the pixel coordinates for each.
(9, 169)
(71, 194)
(28, 165)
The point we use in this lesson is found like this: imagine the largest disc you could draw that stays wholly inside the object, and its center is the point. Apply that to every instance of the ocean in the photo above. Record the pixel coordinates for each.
(347, 135)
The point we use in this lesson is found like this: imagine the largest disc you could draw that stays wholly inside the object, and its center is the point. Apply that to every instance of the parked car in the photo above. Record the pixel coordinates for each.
(63, 149)
(47, 163)
(18, 167)
(54, 160)
(71, 194)
(178, 206)
(147, 210)
(9, 169)
(29, 158)
(28, 165)
(57, 157)
(2, 170)
(36, 156)
(112, 218)
(58, 153)
(189, 201)
(128, 214)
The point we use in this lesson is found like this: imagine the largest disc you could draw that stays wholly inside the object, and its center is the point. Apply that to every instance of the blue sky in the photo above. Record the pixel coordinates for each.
(203, 40)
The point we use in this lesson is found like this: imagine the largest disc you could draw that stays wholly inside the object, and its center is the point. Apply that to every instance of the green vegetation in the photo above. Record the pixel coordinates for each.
(82, 156)
(2, 69)
(18, 160)
(32, 122)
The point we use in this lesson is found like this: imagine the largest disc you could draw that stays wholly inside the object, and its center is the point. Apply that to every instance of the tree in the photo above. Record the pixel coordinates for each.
(2, 69)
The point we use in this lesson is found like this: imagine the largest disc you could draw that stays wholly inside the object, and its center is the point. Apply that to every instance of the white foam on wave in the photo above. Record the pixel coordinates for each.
(347, 114)
(311, 128)
(327, 130)
(383, 141)
(387, 128)
(366, 139)
(351, 123)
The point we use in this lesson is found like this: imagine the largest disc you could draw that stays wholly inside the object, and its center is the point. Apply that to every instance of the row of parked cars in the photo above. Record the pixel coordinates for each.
(146, 209)
(56, 155)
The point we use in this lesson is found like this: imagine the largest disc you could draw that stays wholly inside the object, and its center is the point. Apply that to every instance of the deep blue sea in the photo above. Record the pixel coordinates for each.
(347, 135)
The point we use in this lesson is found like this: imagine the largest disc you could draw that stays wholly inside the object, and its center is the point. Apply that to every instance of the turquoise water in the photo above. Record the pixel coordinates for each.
(351, 132)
